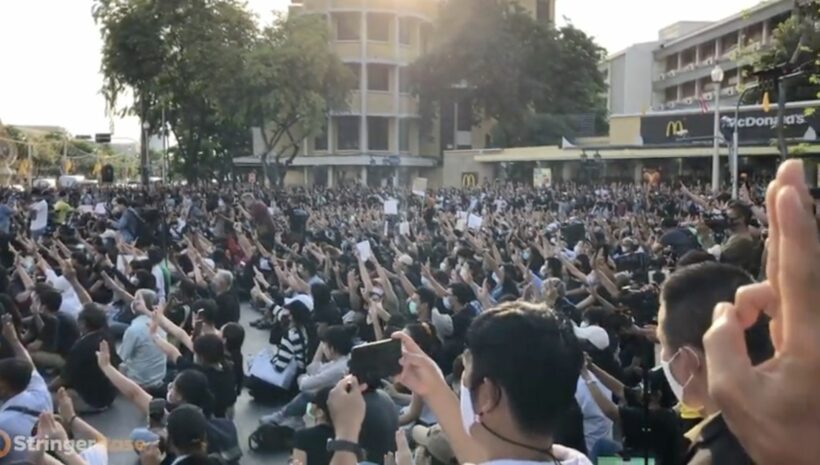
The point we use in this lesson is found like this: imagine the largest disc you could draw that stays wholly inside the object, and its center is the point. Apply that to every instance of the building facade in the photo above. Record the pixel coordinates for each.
(380, 139)
(674, 72)
(685, 56)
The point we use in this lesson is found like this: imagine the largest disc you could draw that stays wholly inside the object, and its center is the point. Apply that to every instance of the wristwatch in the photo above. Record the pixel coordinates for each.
(338, 445)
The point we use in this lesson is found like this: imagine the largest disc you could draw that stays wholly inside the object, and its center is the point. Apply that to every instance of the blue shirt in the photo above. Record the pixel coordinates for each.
(18, 424)
(142, 360)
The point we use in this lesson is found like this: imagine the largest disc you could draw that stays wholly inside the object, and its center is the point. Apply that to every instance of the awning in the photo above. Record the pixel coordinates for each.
(349, 160)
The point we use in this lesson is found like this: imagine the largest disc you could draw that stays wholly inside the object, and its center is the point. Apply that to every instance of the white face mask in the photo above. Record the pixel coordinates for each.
(468, 416)
(676, 387)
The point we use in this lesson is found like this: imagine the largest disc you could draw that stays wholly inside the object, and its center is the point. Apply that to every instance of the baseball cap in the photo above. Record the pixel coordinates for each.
(593, 334)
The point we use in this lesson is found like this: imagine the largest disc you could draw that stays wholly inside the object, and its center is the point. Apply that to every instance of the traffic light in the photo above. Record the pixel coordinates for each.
(102, 138)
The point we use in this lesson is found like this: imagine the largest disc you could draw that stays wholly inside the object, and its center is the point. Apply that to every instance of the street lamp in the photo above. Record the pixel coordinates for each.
(717, 79)
(144, 153)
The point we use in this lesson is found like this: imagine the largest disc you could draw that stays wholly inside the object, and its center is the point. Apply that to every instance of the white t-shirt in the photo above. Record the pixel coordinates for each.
(39, 218)
(96, 455)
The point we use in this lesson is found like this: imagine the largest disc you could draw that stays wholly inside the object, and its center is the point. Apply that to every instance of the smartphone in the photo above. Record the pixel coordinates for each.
(376, 360)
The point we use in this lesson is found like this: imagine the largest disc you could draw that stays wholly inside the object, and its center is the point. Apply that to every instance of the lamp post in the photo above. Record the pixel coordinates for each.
(144, 153)
(717, 79)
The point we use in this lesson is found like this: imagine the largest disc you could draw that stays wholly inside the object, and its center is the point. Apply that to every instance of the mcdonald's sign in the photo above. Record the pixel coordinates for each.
(469, 179)
(674, 127)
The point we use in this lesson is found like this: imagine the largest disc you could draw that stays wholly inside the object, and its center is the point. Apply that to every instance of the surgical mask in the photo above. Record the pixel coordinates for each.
(468, 416)
(674, 385)
(134, 280)
(443, 266)
(425, 282)
(525, 255)
(447, 303)
(413, 307)
(311, 420)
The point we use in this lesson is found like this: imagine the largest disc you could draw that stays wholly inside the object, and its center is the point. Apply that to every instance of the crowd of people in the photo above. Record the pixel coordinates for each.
(568, 324)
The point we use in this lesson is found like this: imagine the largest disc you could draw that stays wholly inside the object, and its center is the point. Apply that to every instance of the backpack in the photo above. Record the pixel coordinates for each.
(223, 441)
(271, 438)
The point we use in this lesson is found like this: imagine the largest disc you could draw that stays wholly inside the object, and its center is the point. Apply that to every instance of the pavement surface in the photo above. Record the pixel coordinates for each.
(118, 421)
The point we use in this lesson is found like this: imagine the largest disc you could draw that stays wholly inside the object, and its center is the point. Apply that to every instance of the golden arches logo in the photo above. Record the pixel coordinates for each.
(469, 179)
(6, 439)
(674, 127)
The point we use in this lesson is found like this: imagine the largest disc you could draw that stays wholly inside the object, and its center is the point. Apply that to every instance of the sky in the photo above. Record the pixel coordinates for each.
(50, 52)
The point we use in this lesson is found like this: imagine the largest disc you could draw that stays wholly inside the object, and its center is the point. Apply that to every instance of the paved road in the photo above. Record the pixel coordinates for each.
(123, 417)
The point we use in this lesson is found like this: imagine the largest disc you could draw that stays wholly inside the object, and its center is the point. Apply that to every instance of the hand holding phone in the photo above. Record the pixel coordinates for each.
(375, 361)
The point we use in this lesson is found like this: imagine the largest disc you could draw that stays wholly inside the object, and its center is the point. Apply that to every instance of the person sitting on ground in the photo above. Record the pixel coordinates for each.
(25, 393)
(234, 336)
(85, 382)
(52, 332)
(187, 439)
(329, 365)
(310, 444)
(142, 360)
(225, 297)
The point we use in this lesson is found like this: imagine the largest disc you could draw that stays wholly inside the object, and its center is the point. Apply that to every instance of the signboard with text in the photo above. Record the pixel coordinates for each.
(753, 126)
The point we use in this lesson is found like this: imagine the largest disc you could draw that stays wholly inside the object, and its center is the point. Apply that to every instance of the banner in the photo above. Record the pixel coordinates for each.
(541, 177)
(753, 126)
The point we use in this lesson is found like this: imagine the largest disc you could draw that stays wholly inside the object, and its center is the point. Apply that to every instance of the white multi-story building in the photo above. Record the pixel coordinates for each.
(673, 73)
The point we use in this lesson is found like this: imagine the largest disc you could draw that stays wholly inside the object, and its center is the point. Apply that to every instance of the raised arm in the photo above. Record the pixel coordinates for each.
(127, 388)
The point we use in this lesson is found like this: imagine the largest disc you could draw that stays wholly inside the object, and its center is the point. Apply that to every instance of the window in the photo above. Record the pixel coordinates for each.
(378, 133)
(347, 136)
(542, 11)
(671, 94)
(320, 142)
(405, 31)
(356, 69)
(348, 26)
(671, 62)
(425, 31)
(404, 80)
(465, 116)
(378, 77)
(404, 135)
(378, 27)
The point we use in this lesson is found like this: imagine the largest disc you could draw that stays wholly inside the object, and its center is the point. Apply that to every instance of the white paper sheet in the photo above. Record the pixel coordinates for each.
(391, 207)
(364, 250)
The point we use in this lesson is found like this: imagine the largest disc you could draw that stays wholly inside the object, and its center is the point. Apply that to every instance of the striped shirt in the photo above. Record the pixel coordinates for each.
(293, 346)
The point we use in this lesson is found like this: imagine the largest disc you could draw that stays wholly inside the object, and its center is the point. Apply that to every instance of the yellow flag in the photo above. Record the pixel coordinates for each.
(766, 103)
(22, 168)
(67, 166)
(97, 169)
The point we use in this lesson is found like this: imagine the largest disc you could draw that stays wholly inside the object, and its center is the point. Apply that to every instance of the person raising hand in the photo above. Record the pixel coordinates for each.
(773, 409)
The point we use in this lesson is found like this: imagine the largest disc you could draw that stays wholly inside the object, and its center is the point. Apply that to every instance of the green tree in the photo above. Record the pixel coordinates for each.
(290, 81)
(178, 55)
(511, 68)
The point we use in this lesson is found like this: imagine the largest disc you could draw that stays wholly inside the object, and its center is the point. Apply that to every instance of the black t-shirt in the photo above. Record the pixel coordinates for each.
(222, 383)
(227, 309)
(82, 373)
(59, 333)
(328, 314)
(381, 421)
(314, 442)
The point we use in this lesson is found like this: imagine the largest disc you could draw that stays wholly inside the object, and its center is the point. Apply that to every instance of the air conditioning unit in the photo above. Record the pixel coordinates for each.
(671, 74)
(689, 67)
(709, 61)
(662, 76)
(756, 47)
(671, 105)
(730, 91)
(688, 100)
(708, 96)
(658, 108)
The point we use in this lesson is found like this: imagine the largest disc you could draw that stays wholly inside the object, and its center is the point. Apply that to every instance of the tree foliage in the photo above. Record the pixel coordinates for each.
(494, 54)
(217, 73)
(796, 44)
(290, 82)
